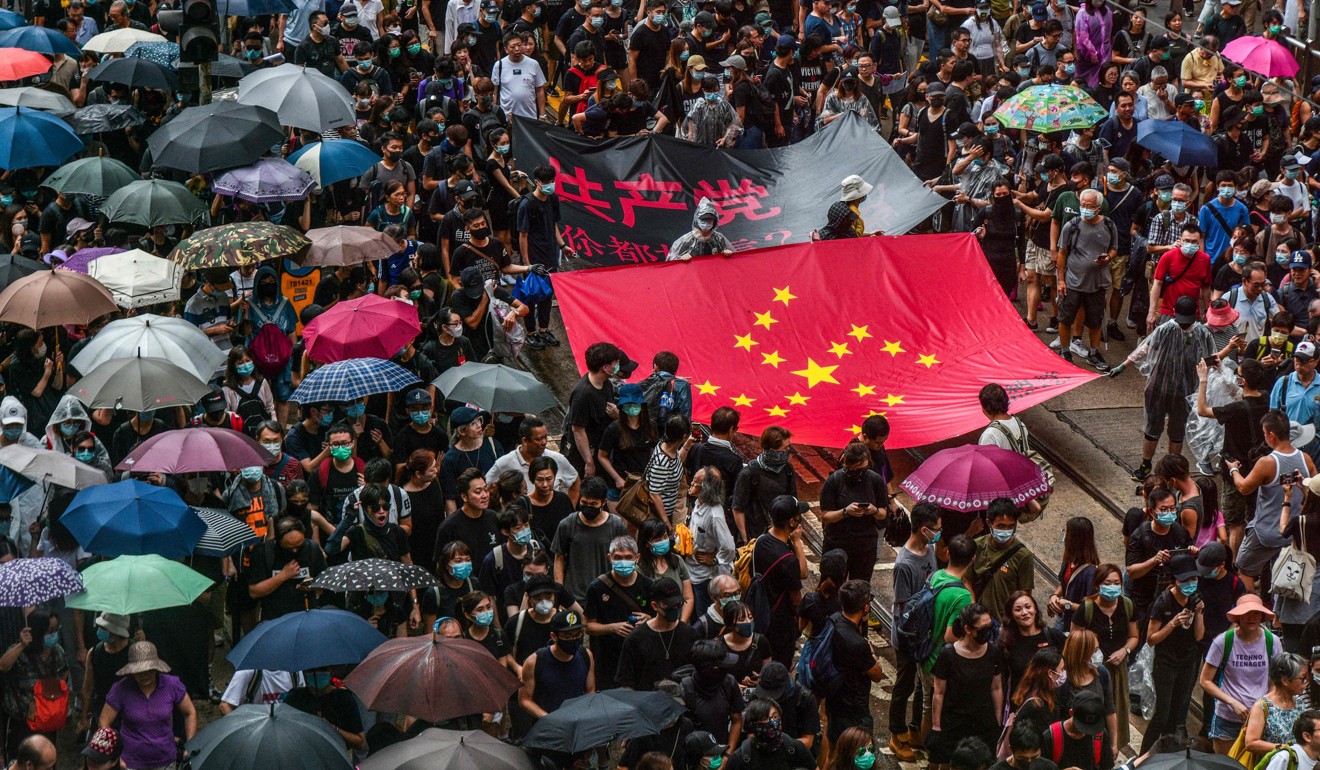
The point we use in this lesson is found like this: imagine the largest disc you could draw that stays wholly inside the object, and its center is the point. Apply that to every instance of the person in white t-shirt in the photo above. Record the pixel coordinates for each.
(519, 81)
(242, 689)
(1306, 731)
(1004, 431)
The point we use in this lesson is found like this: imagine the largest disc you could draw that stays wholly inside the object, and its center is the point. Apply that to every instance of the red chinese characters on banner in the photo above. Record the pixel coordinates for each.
(731, 201)
(649, 184)
(576, 188)
(637, 253)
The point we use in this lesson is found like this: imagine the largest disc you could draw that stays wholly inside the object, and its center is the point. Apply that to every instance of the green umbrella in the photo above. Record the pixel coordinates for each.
(91, 176)
(1051, 107)
(131, 584)
(240, 243)
(151, 202)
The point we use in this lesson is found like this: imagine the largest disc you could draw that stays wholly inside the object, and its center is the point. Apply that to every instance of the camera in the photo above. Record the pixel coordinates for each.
(1294, 478)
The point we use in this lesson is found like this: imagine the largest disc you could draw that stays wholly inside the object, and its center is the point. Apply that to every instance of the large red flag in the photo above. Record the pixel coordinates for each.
(818, 336)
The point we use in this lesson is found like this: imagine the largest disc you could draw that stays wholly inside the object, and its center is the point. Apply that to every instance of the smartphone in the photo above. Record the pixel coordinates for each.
(1211, 361)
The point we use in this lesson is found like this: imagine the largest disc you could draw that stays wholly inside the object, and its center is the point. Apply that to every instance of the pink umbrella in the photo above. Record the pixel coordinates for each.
(195, 450)
(1263, 56)
(967, 478)
(367, 327)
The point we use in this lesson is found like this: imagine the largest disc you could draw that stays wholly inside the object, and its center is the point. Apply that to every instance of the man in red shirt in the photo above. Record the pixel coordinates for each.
(1182, 271)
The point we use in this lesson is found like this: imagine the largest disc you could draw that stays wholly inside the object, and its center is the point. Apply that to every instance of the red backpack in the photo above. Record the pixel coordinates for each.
(1056, 743)
(50, 710)
(270, 350)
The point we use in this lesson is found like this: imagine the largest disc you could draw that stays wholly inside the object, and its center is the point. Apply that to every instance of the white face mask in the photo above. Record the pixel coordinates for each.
(273, 447)
(1097, 658)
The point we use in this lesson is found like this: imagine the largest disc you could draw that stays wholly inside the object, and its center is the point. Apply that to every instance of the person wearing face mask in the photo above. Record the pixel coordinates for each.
(914, 564)
(34, 657)
(1084, 671)
(325, 696)
(281, 569)
(854, 502)
(657, 647)
(1150, 548)
(135, 703)
(66, 423)
(305, 441)
(1080, 740)
(137, 429)
(246, 393)
(1292, 183)
(615, 604)
(968, 696)
(528, 630)
(1036, 696)
(349, 32)
(858, 666)
(479, 625)
(701, 751)
(318, 49)
(703, 239)
(765, 743)
(211, 309)
(1176, 625)
(1220, 217)
(1003, 563)
(712, 121)
(103, 662)
(559, 671)
(722, 591)
(502, 567)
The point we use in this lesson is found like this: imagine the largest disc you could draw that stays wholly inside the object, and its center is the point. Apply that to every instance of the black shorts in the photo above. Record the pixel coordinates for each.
(1090, 303)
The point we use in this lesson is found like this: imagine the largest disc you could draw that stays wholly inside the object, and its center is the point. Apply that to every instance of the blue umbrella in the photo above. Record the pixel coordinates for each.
(10, 20)
(12, 484)
(132, 518)
(1177, 141)
(39, 40)
(351, 379)
(305, 640)
(31, 138)
(334, 160)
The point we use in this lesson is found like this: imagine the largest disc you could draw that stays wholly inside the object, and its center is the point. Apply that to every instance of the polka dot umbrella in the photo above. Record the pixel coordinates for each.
(374, 575)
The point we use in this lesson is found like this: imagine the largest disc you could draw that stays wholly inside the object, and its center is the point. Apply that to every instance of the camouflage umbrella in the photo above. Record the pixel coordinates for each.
(241, 243)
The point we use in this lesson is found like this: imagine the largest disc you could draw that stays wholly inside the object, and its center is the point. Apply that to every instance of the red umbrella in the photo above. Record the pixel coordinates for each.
(367, 327)
(432, 678)
(195, 450)
(17, 63)
(967, 478)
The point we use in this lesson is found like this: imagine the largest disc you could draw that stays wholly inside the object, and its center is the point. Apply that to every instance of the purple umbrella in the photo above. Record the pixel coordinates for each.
(967, 478)
(269, 180)
(28, 582)
(80, 259)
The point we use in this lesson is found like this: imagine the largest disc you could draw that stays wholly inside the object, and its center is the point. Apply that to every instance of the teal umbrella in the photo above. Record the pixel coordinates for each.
(91, 176)
(151, 202)
(132, 584)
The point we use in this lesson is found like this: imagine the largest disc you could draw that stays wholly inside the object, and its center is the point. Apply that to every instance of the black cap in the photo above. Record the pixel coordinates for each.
(1183, 566)
(1211, 557)
(566, 620)
(666, 592)
(965, 130)
(466, 190)
(704, 19)
(1158, 43)
(213, 403)
(774, 681)
(783, 503)
(849, 73)
(1052, 162)
(538, 585)
(418, 397)
(626, 365)
(1184, 311)
(702, 744)
(1088, 712)
(472, 282)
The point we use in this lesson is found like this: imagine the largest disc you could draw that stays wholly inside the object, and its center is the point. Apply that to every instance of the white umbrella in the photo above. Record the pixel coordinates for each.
(136, 278)
(55, 467)
(38, 99)
(154, 336)
(301, 96)
(119, 40)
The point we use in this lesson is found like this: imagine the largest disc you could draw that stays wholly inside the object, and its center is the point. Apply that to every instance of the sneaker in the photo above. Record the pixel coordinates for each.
(902, 751)
(1098, 361)
(1032, 325)
(1066, 355)
(1114, 333)
(534, 341)
(1129, 323)
(1056, 343)
(1078, 348)
(1053, 326)
(1142, 471)
(549, 338)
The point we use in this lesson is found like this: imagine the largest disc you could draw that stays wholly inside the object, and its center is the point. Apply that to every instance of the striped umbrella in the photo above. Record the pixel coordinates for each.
(27, 582)
(224, 535)
(351, 379)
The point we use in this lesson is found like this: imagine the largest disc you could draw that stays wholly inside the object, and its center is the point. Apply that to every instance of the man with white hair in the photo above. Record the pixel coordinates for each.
(1087, 244)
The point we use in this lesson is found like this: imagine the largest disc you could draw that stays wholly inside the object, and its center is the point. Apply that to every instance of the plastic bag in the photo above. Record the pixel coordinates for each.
(1205, 435)
(1141, 686)
(533, 289)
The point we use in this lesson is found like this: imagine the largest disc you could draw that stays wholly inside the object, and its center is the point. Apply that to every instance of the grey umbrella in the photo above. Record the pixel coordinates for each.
(215, 136)
(38, 99)
(151, 202)
(139, 385)
(495, 388)
(91, 176)
(53, 467)
(436, 749)
(257, 737)
(100, 118)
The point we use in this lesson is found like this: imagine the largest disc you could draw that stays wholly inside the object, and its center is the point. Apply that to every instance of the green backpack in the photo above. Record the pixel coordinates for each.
(1265, 760)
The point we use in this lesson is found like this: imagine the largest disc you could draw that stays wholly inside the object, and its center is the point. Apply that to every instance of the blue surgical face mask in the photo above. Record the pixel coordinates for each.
(318, 680)
(1113, 178)
(245, 369)
(252, 473)
(1190, 248)
(1024, 72)
(597, 21)
(102, 635)
(661, 548)
(1069, 69)
(484, 619)
(147, 415)
(976, 165)
(422, 416)
(51, 640)
(84, 455)
(1086, 213)
(1166, 195)
(523, 536)
(1188, 588)
(632, 410)
(1239, 259)
(1166, 518)
(1226, 193)
(712, 97)
(1111, 592)
(1003, 535)
(326, 418)
(991, 129)
(727, 600)
(1292, 173)
(69, 428)
(1178, 207)
(548, 189)
(503, 149)
(355, 410)
(461, 570)
(377, 598)
(623, 567)
(14, 432)
(658, 19)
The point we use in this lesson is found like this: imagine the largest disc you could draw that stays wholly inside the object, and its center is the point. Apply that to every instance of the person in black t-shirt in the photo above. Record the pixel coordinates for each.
(1073, 742)
(781, 561)
(472, 304)
(1149, 550)
(591, 407)
(858, 667)
(656, 648)
(473, 523)
(449, 348)
(853, 503)
(283, 569)
(1177, 624)
(616, 603)
(1242, 433)
(648, 47)
(337, 475)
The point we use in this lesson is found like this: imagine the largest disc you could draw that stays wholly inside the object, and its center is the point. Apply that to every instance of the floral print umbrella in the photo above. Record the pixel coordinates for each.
(241, 243)
(1050, 108)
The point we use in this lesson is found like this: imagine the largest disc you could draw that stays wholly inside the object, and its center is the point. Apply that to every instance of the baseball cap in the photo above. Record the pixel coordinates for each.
(735, 62)
(77, 225)
(785, 42)
(1290, 161)
(418, 397)
(892, 17)
(1261, 188)
(464, 415)
(1300, 259)
(849, 73)
(702, 744)
(1183, 98)
(774, 681)
(1183, 566)
(764, 19)
(13, 413)
(1159, 42)
(1088, 712)
(1211, 557)
(704, 19)
(1038, 12)
(965, 130)
(784, 502)
(1052, 162)
(566, 620)
(1305, 350)
(666, 592)
(465, 189)
(348, 10)
(473, 285)
(935, 89)
(697, 63)
(1122, 165)
(540, 585)
(626, 365)
(1164, 182)
(104, 746)
(1184, 311)
(213, 402)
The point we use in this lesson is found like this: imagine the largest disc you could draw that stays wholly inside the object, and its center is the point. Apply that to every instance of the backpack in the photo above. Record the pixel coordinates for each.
(1265, 760)
(815, 667)
(323, 470)
(250, 409)
(755, 596)
(1056, 743)
(270, 350)
(1076, 232)
(1228, 650)
(50, 709)
(514, 206)
(913, 631)
(658, 390)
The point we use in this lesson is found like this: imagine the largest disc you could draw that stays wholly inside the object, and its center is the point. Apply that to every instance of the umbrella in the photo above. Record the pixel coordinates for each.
(120, 40)
(12, 484)
(253, 7)
(99, 118)
(436, 749)
(172, 339)
(130, 584)
(55, 298)
(348, 245)
(334, 160)
(367, 327)
(351, 379)
(16, 64)
(1190, 760)
(1177, 141)
(80, 260)
(92, 176)
(433, 678)
(163, 54)
(151, 202)
(139, 384)
(136, 278)
(30, 138)
(11, 20)
(1258, 54)
(1049, 108)
(54, 467)
(240, 243)
(303, 97)
(135, 72)
(304, 640)
(224, 535)
(588, 721)
(130, 517)
(13, 267)
(967, 478)
(366, 575)
(261, 736)
(495, 388)
(38, 99)
(227, 67)
(29, 582)
(215, 136)
(195, 450)
(45, 40)
(269, 180)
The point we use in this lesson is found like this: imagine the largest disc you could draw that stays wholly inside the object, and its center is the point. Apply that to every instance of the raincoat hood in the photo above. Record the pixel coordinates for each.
(705, 210)
(69, 408)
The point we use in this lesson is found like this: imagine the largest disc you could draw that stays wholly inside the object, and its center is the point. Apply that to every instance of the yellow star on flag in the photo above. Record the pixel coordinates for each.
(797, 399)
(840, 349)
(816, 374)
(853, 429)
(765, 319)
(783, 295)
(864, 390)
(742, 400)
(927, 360)
(776, 411)
(893, 348)
(707, 389)
(860, 332)
(745, 341)
(773, 359)
(874, 413)
(891, 399)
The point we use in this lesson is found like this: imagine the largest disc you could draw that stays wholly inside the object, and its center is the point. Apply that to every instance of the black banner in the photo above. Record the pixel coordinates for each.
(625, 200)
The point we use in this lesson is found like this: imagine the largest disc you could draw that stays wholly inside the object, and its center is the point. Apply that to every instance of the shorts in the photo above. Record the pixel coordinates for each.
(1232, 503)
(1090, 303)
(1157, 410)
(281, 387)
(1222, 729)
(1254, 558)
(1040, 260)
(613, 494)
(1118, 267)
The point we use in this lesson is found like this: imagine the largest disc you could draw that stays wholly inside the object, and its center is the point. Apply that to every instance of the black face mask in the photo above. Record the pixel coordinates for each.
(982, 635)
(266, 290)
(591, 512)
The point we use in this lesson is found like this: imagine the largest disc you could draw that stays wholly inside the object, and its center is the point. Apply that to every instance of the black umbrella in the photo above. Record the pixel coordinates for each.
(1189, 760)
(99, 118)
(13, 267)
(215, 136)
(139, 73)
(227, 67)
(277, 735)
(374, 575)
(595, 720)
